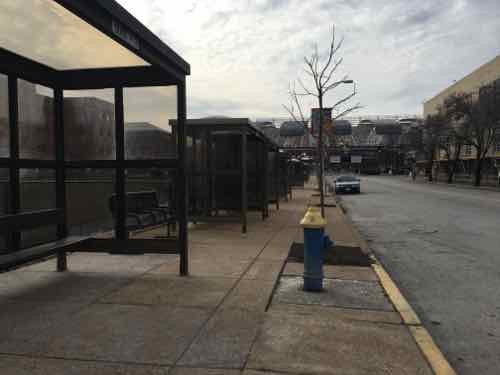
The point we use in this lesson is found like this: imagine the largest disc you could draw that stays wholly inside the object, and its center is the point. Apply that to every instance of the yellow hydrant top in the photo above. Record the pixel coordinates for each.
(313, 219)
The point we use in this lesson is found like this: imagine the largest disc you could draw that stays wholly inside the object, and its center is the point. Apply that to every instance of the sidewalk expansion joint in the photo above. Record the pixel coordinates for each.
(216, 308)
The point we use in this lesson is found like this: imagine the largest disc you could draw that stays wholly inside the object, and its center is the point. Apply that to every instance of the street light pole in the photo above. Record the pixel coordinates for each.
(321, 182)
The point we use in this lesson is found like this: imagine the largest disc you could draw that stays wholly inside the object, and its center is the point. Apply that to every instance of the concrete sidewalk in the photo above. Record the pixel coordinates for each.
(134, 315)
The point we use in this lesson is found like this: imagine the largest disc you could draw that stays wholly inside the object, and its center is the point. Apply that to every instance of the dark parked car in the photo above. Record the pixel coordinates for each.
(347, 184)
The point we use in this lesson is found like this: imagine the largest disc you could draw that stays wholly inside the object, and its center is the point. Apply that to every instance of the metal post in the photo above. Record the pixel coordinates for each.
(181, 179)
(277, 178)
(263, 180)
(15, 183)
(191, 177)
(211, 166)
(62, 228)
(121, 198)
(258, 181)
(244, 181)
(266, 179)
(321, 160)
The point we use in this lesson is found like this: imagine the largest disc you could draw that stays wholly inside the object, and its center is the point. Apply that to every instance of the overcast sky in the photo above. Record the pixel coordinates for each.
(244, 53)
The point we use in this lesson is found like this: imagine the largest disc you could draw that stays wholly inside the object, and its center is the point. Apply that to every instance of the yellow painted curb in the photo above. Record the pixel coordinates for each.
(431, 352)
(402, 306)
(438, 362)
(427, 346)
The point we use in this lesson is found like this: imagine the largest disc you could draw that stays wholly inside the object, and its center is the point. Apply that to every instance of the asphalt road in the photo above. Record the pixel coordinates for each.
(442, 247)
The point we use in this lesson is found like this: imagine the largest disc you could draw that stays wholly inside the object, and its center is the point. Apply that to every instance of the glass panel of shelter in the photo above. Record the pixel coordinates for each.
(38, 192)
(150, 202)
(150, 191)
(89, 125)
(147, 114)
(4, 203)
(4, 117)
(90, 141)
(88, 195)
(36, 121)
(63, 40)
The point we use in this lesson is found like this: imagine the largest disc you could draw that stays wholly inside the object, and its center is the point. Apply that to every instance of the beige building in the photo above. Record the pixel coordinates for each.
(486, 74)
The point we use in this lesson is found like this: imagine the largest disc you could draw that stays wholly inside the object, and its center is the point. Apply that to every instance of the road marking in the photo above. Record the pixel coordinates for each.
(427, 346)
(398, 300)
(436, 359)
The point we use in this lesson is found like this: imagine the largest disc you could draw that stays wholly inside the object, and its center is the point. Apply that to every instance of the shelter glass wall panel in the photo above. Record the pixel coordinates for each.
(89, 125)
(4, 202)
(147, 112)
(272, 176)
(38, 192)
(45, 31)
(228, 151)
(150, 198)
(228, 166)
(4, 117)
(254, 163)
(36, 121)
(198, 158)
(88, 194)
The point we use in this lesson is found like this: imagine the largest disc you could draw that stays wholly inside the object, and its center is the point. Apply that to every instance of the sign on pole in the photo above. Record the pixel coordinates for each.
(356, 159)
(335, 159)
(327, 120)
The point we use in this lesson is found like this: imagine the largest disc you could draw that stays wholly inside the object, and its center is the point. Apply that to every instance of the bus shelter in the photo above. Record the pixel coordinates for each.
(231, 169)
(77, 78)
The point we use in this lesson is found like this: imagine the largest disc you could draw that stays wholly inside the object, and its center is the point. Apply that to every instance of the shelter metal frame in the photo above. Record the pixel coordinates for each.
(258, 179)
(166, 69)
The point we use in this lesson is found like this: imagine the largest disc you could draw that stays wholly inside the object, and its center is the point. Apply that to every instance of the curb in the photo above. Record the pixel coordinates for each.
(431, 352)
(463, 186)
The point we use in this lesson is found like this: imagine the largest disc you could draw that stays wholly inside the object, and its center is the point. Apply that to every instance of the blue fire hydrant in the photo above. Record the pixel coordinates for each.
(315, 242)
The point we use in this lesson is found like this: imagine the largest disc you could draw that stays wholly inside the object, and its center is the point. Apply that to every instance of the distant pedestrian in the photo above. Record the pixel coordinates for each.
(414, 175)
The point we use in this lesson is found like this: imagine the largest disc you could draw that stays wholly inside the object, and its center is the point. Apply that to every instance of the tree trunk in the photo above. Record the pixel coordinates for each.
(454, 162)
(478, 172)
(451, 168)
(451, 172)
(429, 166)
(321, 182)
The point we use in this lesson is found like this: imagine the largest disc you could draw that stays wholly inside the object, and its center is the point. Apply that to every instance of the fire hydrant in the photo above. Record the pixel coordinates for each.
(315, 243)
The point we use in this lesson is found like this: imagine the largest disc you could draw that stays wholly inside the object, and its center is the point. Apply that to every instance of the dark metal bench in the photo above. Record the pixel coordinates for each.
(32, 220)
(144, 210)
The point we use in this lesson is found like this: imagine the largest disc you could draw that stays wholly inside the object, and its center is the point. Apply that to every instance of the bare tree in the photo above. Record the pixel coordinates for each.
(432, 130)
(322, 78)
(294, 108)
(480, 115)
(453, 136)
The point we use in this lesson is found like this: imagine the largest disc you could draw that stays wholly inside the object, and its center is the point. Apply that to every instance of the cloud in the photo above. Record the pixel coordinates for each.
(243, 53)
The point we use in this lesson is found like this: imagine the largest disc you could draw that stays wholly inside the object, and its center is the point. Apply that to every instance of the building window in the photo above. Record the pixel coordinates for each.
(468, 150)
(497, 140)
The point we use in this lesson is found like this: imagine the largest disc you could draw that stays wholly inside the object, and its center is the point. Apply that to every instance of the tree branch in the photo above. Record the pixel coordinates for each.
(347, 111)
(345, 99)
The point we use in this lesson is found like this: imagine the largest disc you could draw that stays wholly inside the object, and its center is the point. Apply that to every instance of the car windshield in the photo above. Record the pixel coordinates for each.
(347, 179)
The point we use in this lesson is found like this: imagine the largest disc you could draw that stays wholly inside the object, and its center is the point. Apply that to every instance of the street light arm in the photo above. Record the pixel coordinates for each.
(347, 111)
(337, 83)
(347, 97)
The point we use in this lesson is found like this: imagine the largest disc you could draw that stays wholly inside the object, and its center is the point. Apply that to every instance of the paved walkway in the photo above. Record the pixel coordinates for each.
(134, 315)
